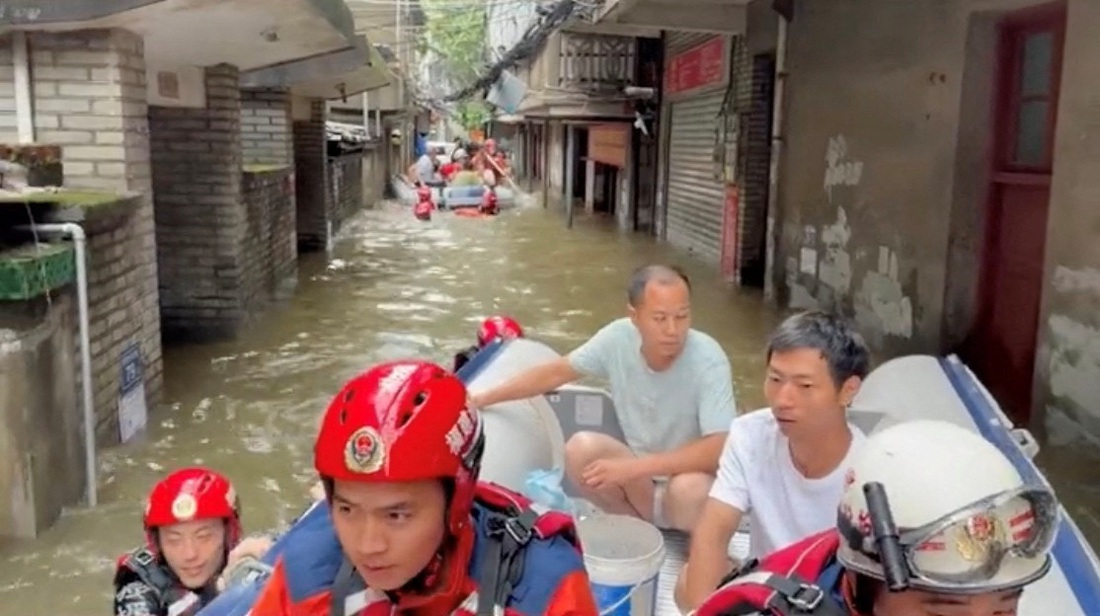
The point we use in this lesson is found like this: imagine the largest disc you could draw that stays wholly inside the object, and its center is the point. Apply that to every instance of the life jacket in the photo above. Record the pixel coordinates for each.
(141, 565)
(424, 205)
(520, 554)
(489, 202)
(802, 579)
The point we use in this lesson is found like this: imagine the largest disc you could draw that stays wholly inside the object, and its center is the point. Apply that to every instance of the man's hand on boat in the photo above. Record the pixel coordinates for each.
(610, 472)
(249, 550)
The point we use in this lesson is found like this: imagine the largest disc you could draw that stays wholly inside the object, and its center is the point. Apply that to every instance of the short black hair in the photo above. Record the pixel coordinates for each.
(661, 274)
(839, 343)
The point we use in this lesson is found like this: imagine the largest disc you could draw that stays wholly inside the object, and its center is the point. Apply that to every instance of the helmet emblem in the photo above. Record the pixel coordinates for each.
(184, 507)
(364, 452)
(981, 533)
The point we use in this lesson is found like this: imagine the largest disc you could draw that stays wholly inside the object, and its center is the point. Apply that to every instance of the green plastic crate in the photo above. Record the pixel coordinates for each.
(29, 271)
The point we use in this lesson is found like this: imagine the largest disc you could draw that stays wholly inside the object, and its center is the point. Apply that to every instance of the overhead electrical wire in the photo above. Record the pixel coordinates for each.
(529, 45)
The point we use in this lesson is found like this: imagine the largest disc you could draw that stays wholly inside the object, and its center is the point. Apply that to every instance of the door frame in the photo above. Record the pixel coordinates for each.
(1002, 170)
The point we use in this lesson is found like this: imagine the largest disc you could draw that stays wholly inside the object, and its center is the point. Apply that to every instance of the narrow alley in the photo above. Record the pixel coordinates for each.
(207, 226)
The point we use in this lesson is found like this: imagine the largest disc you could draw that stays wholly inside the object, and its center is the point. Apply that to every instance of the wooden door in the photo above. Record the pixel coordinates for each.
(1030, 58)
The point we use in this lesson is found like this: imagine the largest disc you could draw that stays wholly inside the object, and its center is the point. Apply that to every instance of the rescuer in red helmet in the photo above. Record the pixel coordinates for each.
(192, 520)
(414, 531)
(498, 327)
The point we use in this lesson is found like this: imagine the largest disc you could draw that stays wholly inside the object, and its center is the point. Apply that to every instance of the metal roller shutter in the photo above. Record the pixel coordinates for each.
(695, 194)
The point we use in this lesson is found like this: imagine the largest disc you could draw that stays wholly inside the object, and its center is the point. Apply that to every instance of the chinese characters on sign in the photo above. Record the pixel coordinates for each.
(700, 66)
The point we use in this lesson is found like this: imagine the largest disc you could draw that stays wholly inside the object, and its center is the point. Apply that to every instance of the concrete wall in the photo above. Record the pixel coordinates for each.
(556, 160)
(884, 177)
(374, 173)
(266, 135)
(870, 159)
(90, 99)
(1068, 365)
(40, 414)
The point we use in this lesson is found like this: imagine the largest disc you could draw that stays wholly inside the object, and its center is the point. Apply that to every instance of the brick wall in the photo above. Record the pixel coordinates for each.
(90, 98)
(201, 220)
(265, 126)
(756, 135)
(345, 194)
(270, 261)
(311, 178)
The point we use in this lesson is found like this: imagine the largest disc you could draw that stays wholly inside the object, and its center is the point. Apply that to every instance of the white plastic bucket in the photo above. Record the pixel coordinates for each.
(623, 556)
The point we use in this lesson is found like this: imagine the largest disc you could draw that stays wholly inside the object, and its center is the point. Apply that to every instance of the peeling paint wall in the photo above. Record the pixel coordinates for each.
(869, 173)
(884, 181)
(831, 271)
(1068, 363)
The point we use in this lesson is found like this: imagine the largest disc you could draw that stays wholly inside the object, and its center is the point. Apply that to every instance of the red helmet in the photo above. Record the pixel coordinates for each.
(498, 326)
(189, 494)
(404, 421)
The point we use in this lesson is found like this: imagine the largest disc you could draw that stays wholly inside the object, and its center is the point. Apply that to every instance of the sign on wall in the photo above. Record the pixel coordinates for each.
(132, 413)
(701, 66)
(176, 86)
(609, 143)
(729, 232)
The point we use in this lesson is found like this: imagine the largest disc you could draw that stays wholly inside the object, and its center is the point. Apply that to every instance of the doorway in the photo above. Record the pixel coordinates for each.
(1025, 113)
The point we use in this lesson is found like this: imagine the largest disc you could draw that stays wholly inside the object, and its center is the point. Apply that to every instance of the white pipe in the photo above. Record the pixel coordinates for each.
(366, 114)
(776, 154)
(21, 62)
(80, 244)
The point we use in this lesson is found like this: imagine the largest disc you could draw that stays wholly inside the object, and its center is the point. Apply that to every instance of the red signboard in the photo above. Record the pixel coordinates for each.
(728, 259)
(697, 67)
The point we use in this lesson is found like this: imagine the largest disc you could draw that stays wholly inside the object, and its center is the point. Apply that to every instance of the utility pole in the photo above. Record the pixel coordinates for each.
(402, 58)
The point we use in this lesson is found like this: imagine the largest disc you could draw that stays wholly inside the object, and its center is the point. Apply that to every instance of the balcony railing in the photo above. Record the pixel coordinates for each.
(596, 62)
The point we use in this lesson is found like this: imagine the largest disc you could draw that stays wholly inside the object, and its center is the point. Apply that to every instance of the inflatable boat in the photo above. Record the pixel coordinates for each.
(529, 435)
(453, 197)
(526, 435)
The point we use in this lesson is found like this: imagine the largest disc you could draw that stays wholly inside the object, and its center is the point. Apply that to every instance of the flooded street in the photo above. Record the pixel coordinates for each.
(392, 288)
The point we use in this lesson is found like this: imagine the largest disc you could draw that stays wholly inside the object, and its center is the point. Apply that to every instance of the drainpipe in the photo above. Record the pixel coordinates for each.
(76, 232)
(776, 156)
(24, 114)
(366, 114)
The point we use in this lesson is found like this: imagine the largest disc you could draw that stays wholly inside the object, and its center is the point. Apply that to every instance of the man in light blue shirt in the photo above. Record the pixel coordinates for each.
(673, 395)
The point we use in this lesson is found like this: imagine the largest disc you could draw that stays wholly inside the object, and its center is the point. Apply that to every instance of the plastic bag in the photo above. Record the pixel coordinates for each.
(544, 488)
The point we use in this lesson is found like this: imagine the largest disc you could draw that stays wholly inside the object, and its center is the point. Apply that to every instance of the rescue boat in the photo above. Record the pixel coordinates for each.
(526, 435)
(453, 197)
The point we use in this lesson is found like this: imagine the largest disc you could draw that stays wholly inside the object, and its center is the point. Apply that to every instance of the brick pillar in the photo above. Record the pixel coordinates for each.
(311, 178)
(90, 98)
(265, 126)
(200, 215)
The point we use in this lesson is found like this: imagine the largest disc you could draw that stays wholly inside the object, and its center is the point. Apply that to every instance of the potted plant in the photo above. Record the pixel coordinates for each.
(43, 163)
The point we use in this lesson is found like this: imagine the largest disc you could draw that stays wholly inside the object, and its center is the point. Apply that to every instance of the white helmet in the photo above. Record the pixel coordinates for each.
(966, 521)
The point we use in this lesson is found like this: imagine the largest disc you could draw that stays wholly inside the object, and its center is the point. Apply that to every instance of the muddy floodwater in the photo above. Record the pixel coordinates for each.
(392, 288)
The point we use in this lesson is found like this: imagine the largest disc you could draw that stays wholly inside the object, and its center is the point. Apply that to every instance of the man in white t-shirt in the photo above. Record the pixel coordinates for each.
(783, 466)
(673, 394)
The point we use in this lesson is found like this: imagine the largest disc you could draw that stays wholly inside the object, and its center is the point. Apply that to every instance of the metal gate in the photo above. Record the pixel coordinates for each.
(696, 192)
